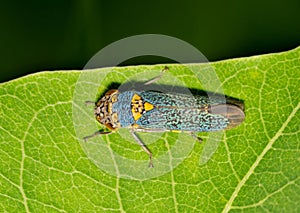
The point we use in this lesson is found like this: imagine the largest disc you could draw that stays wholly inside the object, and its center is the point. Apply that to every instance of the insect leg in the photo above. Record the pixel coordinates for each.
(157, 77)
(151, 130)
(196, 137)
(193, 134)
(89, 103)
(145, 148)
(95, 134)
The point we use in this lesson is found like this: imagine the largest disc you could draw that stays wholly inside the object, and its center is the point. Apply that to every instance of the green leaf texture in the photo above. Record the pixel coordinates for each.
(255, 168)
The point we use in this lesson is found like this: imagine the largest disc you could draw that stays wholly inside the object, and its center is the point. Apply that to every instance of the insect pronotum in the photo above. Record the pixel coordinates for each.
(152, 111)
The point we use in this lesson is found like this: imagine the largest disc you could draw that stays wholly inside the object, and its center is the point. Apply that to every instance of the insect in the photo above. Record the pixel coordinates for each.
(153, 111)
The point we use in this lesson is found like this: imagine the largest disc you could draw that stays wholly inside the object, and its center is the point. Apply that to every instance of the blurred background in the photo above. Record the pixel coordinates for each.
(53, 35)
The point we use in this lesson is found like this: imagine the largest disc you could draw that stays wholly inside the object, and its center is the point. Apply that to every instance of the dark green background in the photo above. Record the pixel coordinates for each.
(56, 34)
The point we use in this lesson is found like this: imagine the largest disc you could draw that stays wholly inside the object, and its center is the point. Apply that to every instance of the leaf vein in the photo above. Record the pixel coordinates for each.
(259, 158)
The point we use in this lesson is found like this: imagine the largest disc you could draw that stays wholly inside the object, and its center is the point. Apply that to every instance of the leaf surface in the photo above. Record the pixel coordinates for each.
(45, 166)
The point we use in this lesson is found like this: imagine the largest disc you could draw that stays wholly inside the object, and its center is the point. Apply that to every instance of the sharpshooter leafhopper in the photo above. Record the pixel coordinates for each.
(152, 111)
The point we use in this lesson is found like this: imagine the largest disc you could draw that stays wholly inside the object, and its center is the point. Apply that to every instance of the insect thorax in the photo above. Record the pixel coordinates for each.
(104, 112)
(115, 109)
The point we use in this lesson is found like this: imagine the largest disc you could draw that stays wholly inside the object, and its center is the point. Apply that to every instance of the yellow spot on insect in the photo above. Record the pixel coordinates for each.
(136, 106)
(148, 106)
(114, 117)
(136, 115)
(109, 108)
(136, 98)
(114, 98)
(135, 126)
(139, 107)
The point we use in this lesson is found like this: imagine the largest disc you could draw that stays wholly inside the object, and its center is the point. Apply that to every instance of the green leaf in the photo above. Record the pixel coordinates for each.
(47, 167)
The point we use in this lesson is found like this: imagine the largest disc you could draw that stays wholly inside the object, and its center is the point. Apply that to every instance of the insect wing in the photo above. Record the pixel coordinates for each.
(189, 113)
(173, 111)
(182, 119)
(233, 113)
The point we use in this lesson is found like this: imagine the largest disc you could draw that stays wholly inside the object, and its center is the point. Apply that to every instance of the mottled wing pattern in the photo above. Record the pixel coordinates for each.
(184, 112)
(181, 100)
(182, 119)
(173, 111)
